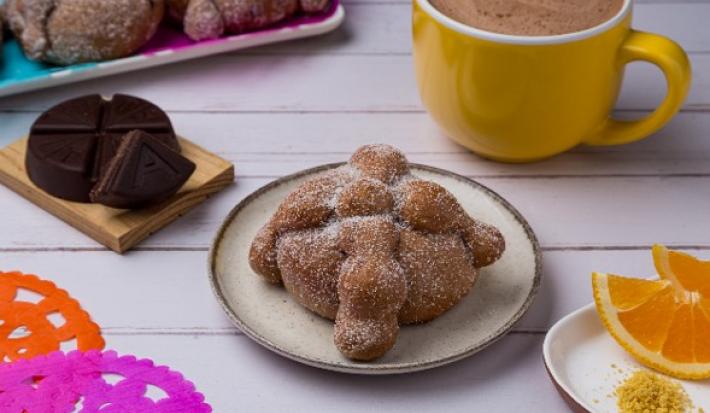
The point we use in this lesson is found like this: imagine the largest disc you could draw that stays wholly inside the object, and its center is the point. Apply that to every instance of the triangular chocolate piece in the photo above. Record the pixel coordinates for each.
(76, 115)
(143, 171)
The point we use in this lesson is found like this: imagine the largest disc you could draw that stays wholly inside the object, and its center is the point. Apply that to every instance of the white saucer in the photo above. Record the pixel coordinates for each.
(267, 314)
(586, 364)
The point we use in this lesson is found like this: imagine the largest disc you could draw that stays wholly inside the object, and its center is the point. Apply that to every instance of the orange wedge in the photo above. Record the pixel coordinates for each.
(664, 324)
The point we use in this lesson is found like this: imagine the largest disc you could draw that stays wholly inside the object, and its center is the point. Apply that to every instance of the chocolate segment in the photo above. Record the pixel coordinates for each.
(81, 114)
(143, 171)
(127, 113)
(71, 145)
(60, 163)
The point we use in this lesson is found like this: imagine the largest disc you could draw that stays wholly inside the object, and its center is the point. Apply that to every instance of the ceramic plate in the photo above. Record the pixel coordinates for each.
(586, 364)
(169, 45)
(267, 314)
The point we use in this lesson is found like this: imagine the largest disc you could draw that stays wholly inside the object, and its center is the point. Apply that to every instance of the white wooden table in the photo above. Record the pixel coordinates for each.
(279, 109)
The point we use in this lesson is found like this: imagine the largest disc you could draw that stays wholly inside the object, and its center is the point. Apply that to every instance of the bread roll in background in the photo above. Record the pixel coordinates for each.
(209, 19)
(66, 32)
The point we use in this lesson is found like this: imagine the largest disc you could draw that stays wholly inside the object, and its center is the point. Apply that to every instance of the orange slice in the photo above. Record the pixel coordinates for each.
(664, 324)
(685, 271)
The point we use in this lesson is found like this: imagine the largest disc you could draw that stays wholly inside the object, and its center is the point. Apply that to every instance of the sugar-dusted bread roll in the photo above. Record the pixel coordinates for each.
(66, 32)
(209, 19)
(372, 246)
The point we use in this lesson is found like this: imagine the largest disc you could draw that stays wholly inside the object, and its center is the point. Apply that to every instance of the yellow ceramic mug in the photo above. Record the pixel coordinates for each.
(524, 98)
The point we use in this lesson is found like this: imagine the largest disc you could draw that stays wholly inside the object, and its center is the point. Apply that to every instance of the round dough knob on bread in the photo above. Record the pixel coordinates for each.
(364, 197)
(381, 162)
(429, 207)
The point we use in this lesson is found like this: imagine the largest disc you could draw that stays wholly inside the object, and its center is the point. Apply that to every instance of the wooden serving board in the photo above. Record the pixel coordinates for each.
(118, 229)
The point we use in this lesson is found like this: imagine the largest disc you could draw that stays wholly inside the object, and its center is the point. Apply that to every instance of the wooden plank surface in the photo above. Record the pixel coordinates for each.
(564, 212)
(146, 291)
(315, 83)
(282, 108)
(270, 145)
(237, 375)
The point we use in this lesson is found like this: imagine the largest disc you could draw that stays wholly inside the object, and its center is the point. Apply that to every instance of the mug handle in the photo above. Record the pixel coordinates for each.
(673, 61)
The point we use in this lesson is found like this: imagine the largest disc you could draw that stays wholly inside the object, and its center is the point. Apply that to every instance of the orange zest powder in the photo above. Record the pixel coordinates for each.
(645, 391)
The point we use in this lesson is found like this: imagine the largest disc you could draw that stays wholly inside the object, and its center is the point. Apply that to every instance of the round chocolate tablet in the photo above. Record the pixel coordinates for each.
(71, 145)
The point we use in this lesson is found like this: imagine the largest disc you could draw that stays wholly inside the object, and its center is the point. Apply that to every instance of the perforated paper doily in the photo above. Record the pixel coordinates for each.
(36, 317)
(94, 381)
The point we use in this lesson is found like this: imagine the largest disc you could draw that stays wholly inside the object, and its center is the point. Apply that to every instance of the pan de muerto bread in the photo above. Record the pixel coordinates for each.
(65, 32)
(209, 19)
(372, 247)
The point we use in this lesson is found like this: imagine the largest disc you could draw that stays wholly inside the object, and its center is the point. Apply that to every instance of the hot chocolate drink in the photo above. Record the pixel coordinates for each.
(530, 17)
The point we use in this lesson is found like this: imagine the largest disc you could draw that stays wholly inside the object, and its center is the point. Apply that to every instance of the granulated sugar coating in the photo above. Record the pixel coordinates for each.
(209, 19)
(647, 392)
(371, 246)
(74, 31)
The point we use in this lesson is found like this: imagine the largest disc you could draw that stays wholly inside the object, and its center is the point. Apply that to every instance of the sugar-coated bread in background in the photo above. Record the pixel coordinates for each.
(209, 19)
(66, 32)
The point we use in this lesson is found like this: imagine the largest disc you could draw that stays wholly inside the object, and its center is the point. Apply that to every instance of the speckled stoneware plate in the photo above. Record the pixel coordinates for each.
(267, 314)
(586, 364)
